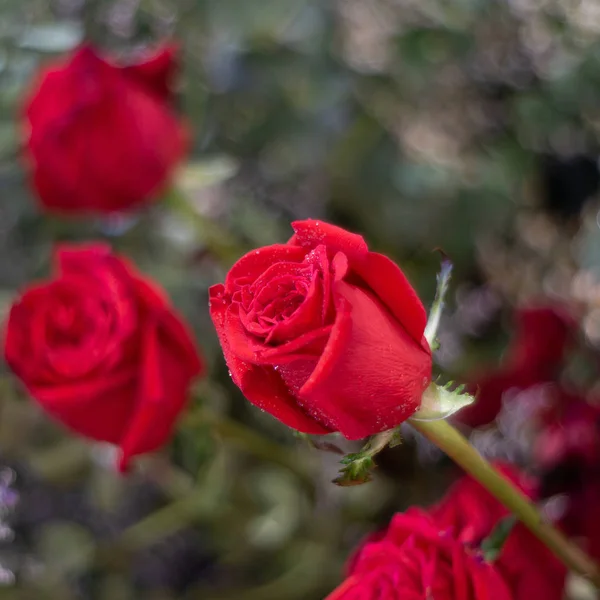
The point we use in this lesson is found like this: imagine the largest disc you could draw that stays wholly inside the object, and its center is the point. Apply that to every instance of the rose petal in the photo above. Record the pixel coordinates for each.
(168, 364)
(392, 287)
(156, 71)
(76, 259)
(308, 345)
(253, 264)
(261, 385)
(310, 234)
(306, 317)
(362, 395)
(98, 408)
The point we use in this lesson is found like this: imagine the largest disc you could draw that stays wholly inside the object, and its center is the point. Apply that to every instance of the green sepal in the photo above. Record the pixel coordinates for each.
(442, 401)
(493, 544)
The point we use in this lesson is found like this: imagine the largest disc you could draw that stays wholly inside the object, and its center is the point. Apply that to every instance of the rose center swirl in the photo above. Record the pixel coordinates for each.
(281, 302)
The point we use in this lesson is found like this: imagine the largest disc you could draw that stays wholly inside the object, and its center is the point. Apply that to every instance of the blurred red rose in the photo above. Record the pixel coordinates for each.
(567, 452)
(438, 554)
(323, 334)
(102, 138)
(535, 356)
(529, 569)
(102, 350)
(418, 560)
(471, 511)
(569, 432)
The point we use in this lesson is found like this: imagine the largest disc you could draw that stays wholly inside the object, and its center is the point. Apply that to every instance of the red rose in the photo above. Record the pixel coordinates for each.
(102, 350)
(418, 560)
(535, 356)
(567, 452)
(529, 569)
(437, 554)
(569, 433)
(323, 334)
(100, 137)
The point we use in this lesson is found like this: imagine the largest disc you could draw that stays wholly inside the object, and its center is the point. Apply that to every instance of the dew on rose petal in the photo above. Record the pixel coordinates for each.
(229, 373)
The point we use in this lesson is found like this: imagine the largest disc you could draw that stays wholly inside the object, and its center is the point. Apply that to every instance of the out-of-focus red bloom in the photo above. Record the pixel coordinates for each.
(103, 351)
(527, 566)
(535, 356)
(417, 560)
(569, 432)
(437, 554)
(102, 138)
(567, 452)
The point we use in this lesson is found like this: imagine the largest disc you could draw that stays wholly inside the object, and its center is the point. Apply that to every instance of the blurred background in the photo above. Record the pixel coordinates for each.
(468, 126)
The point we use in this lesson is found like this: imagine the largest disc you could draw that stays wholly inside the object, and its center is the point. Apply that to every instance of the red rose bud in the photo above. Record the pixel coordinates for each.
(324, 334)
(102, 138)
(101, 349)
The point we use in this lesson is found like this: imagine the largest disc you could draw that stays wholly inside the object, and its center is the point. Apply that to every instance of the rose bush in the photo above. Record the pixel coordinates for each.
(324, 334)
(100, 137)
(101, 349)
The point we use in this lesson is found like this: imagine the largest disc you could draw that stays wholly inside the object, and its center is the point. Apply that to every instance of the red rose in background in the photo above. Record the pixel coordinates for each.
(102, 350)
(471, 511)
(535, 356)
(569, 434)
(437, 554)
(529, 569)
(100, 137)
(418, 560)
(323, 334)
(567, 451)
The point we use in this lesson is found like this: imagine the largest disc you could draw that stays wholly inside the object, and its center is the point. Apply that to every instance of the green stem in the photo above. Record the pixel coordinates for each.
(457, 447)
(378, 442)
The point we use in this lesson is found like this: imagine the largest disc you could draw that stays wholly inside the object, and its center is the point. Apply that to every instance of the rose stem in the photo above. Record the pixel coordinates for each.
(378, 442)
(457, 447)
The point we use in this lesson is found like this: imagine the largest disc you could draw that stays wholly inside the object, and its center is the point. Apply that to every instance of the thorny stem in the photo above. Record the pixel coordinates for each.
(457, 447)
